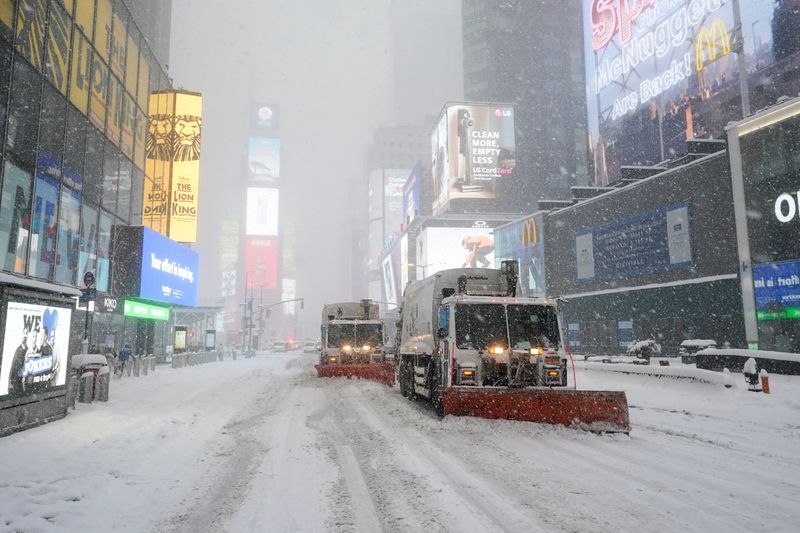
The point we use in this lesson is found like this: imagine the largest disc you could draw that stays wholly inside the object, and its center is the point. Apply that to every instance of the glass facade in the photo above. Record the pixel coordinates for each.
(75, 79)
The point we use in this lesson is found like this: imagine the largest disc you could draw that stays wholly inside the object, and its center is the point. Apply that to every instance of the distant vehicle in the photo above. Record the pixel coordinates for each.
(309, 347)
(279, 346)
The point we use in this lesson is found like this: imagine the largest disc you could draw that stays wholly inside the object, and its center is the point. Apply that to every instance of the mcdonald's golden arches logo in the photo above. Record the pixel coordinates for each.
(711, 43)
(530, 233)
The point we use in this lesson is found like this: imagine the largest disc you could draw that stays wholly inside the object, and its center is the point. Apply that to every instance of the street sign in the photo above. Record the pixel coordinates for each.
(87, 295)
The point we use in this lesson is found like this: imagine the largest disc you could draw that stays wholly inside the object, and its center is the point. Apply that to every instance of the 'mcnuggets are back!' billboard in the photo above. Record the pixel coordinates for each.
(662, 72)
(472, 150)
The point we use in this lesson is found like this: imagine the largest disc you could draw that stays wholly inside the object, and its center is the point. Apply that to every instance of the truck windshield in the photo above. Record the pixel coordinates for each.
(340, 335)
(533, 326)
(480, 325)
(371, 334)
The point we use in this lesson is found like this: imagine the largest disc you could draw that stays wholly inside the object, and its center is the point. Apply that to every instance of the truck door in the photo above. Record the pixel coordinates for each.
(443, 334)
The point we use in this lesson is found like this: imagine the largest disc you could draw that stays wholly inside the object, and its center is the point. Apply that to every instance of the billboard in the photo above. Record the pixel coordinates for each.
(264, 159)
(289, 292)
(523, 241)
(473, 147)
(264, 117)
(411, 202)
(443, 248)
(169, 271)
(393, 182)
(173, 164)
(261, 263)
(35, 348)
(777, 290)
(135, 309)
(652, 241)
(661, 73)
(262, 212)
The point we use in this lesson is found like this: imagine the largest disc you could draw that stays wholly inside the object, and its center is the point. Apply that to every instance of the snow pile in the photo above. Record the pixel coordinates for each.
(677, 372)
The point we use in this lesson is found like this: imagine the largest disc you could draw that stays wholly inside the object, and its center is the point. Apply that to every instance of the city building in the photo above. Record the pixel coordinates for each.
(525, 54)
(75, 84)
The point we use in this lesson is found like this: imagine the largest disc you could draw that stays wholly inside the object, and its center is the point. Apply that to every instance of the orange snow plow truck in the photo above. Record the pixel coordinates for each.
(352, 343)
(470, 347)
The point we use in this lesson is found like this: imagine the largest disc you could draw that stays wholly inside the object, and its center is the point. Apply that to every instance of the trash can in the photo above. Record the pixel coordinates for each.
(85, 369)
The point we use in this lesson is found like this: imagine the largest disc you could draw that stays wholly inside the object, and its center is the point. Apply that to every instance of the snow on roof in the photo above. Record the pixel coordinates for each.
(758, 354)
(699, 342)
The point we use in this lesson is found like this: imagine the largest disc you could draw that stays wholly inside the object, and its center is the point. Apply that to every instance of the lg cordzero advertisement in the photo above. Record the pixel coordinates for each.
(264, 159)
(262, 212)
(443, 248)
(261, 262)
(35, 348)
(473, 147)
(659, 73)
(169, 271)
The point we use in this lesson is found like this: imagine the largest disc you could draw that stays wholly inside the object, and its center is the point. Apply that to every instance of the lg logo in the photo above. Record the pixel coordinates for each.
(502, 112)
(787, 206)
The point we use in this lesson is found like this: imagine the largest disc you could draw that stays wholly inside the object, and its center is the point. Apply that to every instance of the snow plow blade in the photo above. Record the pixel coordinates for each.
(381, 372)
(601, 411)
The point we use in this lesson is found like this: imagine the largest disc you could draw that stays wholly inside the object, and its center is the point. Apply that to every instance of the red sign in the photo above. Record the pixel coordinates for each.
(261, 263)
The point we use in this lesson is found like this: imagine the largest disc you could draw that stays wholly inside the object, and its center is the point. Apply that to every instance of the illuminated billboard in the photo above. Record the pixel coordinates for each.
(444, 248)
(661, 73)
(35, 348)
(473, 147)
(262, 212)
(264, 159)
(173, 164)
(523, 241)
(261, 263)
(411, 200)
(264, 117)
(289, 292)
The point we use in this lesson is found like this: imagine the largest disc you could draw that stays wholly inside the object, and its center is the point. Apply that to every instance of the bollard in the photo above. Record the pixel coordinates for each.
(764, 381)
(174, 360)
(136, 369)
(72, 391)
(145, 364)
(219, 356)
(152, 363)
(86, 388)
(128, 366)
(102, 385)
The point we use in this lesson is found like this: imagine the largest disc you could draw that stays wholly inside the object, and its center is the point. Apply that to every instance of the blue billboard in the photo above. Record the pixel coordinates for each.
(169, 271)
(523, 240)
(649, 242)
(777, 285)
(411, 203)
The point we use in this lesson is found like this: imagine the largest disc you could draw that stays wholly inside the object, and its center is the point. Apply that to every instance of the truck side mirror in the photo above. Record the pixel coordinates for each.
(441, 333)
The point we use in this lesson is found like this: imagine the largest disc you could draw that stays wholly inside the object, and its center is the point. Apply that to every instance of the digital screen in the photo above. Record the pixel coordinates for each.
(289, 292)
(261, 263)
(661, 73)
(264, 117)
(411, 201)
(169, 270)
(473, 147)
(142, 310)
(180, 339)
(523, 241)
(262, 212)
(264, 159)
(35, 348)
(444, 248)
(777, 290)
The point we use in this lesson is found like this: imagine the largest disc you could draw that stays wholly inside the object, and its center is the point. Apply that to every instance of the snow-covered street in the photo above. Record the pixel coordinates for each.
(264, 445)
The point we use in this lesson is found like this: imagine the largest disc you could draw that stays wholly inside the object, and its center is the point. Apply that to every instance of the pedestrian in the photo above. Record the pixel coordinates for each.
(124, 356)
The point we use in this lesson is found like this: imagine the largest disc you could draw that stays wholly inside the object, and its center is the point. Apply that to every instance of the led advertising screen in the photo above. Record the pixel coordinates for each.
(169, 270)
(262, 212)
(777, 290)
(523, 241)
(389, 282)
(261, 263)
(411, 202)
(289, 292)
(264, 159)
(444, 248)
(393, 183)
(659, 73)
(473, 147)
(180, 339)
(35, 348)
(264, 117)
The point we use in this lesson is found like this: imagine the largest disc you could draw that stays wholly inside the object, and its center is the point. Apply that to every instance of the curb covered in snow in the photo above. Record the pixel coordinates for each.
(694, 374)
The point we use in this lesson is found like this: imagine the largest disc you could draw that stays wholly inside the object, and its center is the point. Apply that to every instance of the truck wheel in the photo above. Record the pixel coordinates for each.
(406, 378)
(437, 402)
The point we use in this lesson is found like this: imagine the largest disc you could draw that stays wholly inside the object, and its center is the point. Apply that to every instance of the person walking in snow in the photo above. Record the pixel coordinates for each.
(124, 356)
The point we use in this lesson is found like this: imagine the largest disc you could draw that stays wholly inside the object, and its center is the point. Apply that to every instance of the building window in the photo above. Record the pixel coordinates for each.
(23, 115)
(15, 218)
(110, 177)
(93, 173)
(51, 132)
(5, 79)
(74, 149)
(103, 252)
(124, 190)
(41, 260)
(87, 261)
(67, 254)
(137, 198)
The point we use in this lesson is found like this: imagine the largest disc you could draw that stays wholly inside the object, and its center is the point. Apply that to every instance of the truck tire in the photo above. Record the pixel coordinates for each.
(437, 402)
(405, 376)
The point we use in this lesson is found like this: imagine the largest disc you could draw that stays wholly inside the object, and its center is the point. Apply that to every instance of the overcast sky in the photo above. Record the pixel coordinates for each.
(328, 65)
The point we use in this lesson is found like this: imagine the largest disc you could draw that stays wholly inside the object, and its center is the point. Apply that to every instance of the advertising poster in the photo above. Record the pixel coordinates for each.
(169, 271)
(393, 183)
(264, 159)
(650, 242)
(289, 292)
(35, 348)
(443, 248)
(523, 241)
(403, 264)
(777, 290)
(211, 339)
(261, 263)
(474, 147)
(180, 339)
(411, 203)
(229, 243)
(661, 73)
(389, 286)
(262, 212)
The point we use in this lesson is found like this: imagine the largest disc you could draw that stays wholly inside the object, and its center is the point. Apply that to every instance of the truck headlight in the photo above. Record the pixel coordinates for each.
(496, 350)
(347, 348)
(536, 351)
(365, 348)
(332, 359)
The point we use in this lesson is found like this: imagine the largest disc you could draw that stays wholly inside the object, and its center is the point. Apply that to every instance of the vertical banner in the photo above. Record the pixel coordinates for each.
(261, 263)
(173, 163)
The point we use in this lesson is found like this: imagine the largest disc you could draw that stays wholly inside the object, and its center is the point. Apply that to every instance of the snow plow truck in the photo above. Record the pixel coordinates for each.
(352, 343)
(470, 347)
